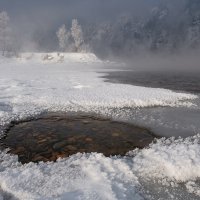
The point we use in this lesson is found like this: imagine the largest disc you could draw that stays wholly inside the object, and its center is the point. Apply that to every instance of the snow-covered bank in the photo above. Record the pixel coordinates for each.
(169, 169)
(29, 86)
(57, 57)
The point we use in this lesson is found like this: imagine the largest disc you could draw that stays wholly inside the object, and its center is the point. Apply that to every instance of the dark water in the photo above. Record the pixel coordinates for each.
(164, 121)
(179, 81)
(57, 135)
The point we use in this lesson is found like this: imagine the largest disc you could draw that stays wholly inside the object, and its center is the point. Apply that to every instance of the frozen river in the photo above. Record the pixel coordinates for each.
(167, 169)
(165, 121)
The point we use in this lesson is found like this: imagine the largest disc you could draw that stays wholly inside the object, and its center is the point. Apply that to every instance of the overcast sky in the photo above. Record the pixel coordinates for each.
(28, 16)
(57, 9)
(38, 13)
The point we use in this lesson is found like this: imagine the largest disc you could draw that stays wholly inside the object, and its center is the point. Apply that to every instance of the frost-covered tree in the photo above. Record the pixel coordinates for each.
(193, 36)
(193, 24)
(63, 37)
(5, 33)
(164, 27)
(77, 35)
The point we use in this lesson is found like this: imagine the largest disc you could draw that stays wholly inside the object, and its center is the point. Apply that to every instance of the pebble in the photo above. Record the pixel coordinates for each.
(71, 148)
(59, 145)
(115, 134)
(58, 136)
(88, 139)
(39, 158)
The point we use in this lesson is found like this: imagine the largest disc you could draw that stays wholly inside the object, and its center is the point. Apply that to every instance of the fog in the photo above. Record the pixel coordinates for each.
(186, 61)
(152, 33)
(31, 17)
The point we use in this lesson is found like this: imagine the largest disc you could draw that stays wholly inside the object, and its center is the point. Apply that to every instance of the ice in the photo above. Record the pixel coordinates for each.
(34, 83)
(165, 121)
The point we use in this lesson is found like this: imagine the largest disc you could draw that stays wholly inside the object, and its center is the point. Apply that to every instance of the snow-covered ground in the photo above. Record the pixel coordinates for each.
(34, 83)
(58, 57)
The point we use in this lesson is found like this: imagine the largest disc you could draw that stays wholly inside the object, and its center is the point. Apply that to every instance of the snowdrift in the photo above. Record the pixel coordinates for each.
(57, 57)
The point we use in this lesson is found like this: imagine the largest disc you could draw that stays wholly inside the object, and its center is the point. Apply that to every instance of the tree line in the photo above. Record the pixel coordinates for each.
(164, 29)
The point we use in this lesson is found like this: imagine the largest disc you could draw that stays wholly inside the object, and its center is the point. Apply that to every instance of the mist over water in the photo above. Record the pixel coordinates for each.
(157, 33)
(133, 61)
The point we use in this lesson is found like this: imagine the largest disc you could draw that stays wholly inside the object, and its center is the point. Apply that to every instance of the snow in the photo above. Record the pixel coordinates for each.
(31, 84)
(79, 177)
(172, 164)
(58, 57)
(174, 159)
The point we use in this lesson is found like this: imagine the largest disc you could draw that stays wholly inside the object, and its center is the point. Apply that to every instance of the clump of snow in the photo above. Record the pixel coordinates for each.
(192, 187)
(170, 168)
(78, 177)
(173, 159)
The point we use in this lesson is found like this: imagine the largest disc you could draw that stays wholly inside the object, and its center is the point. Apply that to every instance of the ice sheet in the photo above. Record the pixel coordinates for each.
(31, 84)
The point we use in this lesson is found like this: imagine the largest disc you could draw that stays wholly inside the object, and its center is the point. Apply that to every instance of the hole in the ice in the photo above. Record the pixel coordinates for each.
(56, 135)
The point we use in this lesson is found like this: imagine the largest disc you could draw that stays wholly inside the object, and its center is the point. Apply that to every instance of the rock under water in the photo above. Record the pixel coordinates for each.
(54, 136)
